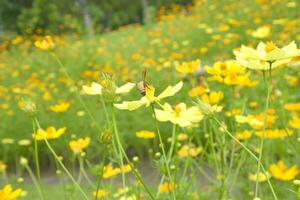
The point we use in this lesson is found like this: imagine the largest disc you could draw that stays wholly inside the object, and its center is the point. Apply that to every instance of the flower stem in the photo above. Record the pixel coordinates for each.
(135, 171)
(163, 151)
(61, 164)
(251, 153)
(269, 89)
(36, 182)
(36, 154)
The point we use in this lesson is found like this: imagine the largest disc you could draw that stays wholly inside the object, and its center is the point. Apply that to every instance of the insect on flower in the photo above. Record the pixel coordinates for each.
(142, 84)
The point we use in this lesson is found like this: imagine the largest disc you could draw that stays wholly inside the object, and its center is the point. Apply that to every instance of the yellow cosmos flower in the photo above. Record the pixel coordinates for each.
(49, 133)
(188, 67)
(96, 89)
(208, 109)
(45, 44)
(189, 150)
(145, 134)
(149, 97)
(244, 135)
(262, 32)
(180, 114)
(7, 193)
(167, 187)
(61, 107)
(261, 57)
(77, 146)
(295, 122)
(3, 166)
(213, 97)
(292, 80)
(233, 112)
(292, 107)
(109, 171)
(274, 134)
(260, 177)
(197, 91)
(100, 193)
(249, 120)
(281, 172)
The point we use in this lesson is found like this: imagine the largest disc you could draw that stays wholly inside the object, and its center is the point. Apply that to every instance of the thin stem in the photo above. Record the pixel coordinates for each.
(135, 171)
(269, 89)
(61, 164)
(251, 153)
(36, 155)
(163, 150)
(36, 183)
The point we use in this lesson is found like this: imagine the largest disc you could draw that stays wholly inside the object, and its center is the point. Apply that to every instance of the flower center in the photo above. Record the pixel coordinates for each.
(177, 111)
(270, 46)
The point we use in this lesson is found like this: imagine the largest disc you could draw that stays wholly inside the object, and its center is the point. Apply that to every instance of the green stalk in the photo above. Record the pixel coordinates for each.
(135, 171)
(61, 164)
(36, 155)
(269, 89)
(251, 153)
(163, 150)
(36, 183)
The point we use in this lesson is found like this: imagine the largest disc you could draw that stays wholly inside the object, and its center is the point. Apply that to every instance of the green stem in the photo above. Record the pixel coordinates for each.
(61, 164)
(36, 183)
(269, 89)
(251, 153)
(163, 151)
(36, 155)
(135, 171)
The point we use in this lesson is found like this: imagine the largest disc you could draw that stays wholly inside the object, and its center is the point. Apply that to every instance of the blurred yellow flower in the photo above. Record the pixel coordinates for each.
(273, 134)
(180, 114)
(292, 106)
(49, 133)
(188, 67)
(61, 107)
(167, 187)
(261, 57)
(109, 171)
(260, 177)
(149, 97)
(45, 43)
(100, 193)
(182, 137)
(213, 97)
(189, 150)
(262, 32)
(77, 146)
(281, 172)
(294, 122)
(197, 91)
(244, 135)
(7, 193)
(145, 134)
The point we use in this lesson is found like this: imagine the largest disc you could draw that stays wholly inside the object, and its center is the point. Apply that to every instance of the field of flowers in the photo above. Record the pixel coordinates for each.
(202, 104)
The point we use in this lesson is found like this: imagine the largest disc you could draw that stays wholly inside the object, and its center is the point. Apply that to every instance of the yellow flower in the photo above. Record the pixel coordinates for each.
(248, 119)
(292, 106)
(292, 80)
(62, 106)
(294, 122)
(49, 133)
(189, 150)
(77, 146)
(281, 172)
(180, 114)
(100, 193)
(45, 44)
(109, 171)
(149, 97)
(244, 135)
(96, 89)
(213, 97)
(145, 134)
(273, 134)
(2, 166)
(208, 109)
(233, 112)
(197, 91)
(262, 32)
(261, 57)
(260, 177)
(7, 193)
(188, 67)
(166, 187)
(182, 137)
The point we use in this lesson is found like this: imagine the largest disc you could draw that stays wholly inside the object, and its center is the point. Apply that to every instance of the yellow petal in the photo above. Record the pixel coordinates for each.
(94, 89)
(131, 105)
(125, 88)
(170, 91)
